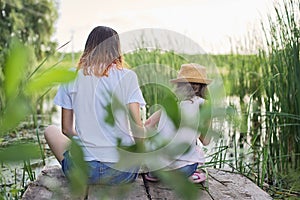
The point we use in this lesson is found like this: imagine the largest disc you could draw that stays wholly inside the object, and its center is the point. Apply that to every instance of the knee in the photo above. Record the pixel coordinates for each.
(50, 130)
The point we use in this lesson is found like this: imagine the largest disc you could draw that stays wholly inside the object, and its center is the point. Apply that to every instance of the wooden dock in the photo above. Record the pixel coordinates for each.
(52, 184)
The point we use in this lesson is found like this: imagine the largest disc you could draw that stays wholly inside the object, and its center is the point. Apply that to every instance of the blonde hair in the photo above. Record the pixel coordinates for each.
(102, 51)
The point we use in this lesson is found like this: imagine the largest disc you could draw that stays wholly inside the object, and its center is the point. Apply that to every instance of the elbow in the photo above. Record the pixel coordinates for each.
(206, 142)
(66, 131)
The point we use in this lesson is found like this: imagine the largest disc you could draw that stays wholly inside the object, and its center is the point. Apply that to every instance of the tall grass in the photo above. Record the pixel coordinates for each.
(281, 65)
(267, 88)
(263, 89)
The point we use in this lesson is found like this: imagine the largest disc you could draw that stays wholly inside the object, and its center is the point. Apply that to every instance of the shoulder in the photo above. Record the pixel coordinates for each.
(123, 71)
(198, 100)
(126, 74)
(195, 101)
(67, 87)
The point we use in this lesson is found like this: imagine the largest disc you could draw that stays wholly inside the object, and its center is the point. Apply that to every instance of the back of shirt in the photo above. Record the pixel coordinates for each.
(187, 133)
(93, 99)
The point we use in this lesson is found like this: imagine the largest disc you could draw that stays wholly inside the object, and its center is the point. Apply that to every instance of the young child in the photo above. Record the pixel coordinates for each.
(191, 88)
(101, 79)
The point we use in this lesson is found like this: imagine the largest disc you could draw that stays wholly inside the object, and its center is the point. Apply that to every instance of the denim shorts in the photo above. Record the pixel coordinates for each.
(102, 172)
(188, 170)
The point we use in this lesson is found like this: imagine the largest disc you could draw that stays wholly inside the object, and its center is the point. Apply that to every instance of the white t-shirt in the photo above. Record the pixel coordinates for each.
(92, 98)
(186, 133)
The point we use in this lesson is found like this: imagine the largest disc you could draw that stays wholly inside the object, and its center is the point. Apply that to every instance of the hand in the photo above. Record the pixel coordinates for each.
(148, 122)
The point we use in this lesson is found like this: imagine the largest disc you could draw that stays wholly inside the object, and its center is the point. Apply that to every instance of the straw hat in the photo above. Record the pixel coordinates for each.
(193, 73)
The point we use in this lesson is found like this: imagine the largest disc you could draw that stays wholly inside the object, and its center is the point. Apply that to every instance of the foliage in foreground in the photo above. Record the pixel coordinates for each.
(266, 120)
(18, 92)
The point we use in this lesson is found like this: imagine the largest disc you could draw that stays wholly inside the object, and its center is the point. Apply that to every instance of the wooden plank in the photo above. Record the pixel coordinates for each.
(52, 184)
(162, 191)
(227, 185)
(132, 191)
(37, 192)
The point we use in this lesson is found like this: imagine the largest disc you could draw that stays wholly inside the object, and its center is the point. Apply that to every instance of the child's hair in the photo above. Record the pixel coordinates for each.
(187, 90)
(102, 49)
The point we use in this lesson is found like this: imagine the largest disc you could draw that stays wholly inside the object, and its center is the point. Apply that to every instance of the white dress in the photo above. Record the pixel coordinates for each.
(186, 134)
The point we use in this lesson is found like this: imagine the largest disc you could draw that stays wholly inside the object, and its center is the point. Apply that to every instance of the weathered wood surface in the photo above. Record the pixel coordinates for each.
(52, 184)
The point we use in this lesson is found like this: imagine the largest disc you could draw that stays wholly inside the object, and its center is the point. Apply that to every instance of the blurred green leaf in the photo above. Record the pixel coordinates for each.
(49, 78)
(111, 109)
(231, 111)
(14, 113)
(178, 149)
(109, 119)
(14, 68)
(171, 107)
(232, 115)
(77, 156)
(130, 160)
(79, 172)
(180, 183)
(132, 148)
(244, 124)
(20, 152)
(205, 116)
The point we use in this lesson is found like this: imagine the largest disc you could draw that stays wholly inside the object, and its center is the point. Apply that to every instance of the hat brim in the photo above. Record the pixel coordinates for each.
(191, 80)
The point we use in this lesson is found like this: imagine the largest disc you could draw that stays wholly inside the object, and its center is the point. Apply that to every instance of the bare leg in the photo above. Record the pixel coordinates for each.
(57, 141)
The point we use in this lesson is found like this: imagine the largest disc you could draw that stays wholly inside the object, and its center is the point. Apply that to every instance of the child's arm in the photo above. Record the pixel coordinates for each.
(136, 123)
(67, 122)
(153, 119)
(204, 137)
(205, 140)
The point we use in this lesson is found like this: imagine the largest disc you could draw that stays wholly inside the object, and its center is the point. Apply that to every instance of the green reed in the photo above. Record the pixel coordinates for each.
(266, 88)
(42, 151)
(281, 61)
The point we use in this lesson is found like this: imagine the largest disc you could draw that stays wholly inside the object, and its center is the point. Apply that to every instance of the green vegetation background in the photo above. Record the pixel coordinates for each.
(263, 110)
